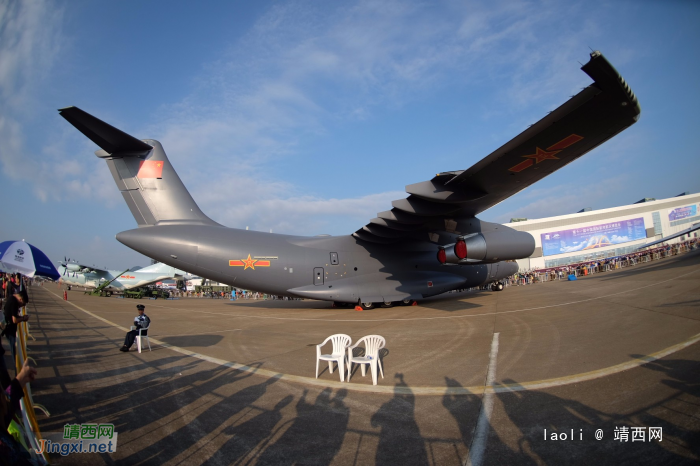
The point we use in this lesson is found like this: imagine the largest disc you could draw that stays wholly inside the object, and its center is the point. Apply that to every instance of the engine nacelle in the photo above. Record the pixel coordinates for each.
(491, 246)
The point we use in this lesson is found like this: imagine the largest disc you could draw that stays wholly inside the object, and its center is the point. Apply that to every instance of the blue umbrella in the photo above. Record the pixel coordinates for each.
(21, 257)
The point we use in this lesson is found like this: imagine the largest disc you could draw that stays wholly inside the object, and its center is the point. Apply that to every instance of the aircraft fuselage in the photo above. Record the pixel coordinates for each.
(337, 268)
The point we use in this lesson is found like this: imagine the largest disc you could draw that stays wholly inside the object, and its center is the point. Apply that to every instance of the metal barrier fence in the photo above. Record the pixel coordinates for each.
(585, 269)
(29, 428)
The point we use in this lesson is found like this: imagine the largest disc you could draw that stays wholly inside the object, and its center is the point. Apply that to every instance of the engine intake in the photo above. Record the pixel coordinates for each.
(492, 246)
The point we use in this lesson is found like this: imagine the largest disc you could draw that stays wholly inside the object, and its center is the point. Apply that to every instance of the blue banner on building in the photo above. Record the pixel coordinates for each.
(683, 212)
(592, 237)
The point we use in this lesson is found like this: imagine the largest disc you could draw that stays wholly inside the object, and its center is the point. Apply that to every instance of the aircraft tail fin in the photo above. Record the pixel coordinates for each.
(146, 179)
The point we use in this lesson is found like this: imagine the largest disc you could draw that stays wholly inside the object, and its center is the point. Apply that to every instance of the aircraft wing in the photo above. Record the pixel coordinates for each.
(591, 117)
(76, 267)
(164, 269)
(670, 237)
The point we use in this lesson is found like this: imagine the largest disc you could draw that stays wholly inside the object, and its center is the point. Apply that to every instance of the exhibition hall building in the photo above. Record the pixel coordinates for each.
(599, 234)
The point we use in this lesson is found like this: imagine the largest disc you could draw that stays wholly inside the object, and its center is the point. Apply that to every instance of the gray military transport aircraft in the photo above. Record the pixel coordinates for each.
(428, 243)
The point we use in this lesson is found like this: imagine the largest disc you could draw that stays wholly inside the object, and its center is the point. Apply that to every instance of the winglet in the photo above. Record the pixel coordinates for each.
(109, 138)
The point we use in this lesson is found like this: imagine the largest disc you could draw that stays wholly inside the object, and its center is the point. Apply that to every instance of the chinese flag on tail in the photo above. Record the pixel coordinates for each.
(150, 169)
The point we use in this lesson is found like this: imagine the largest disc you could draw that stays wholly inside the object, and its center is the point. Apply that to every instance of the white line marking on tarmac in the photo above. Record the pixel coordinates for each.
(481, 434)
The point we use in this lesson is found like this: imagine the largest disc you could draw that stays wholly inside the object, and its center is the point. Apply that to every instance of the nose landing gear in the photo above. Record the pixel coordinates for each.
(497, 286)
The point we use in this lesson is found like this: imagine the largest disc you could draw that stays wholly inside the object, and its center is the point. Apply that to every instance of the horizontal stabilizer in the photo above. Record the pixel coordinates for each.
(106, 136)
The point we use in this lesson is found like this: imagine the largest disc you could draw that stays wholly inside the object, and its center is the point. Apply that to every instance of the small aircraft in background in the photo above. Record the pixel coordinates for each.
(76, 274)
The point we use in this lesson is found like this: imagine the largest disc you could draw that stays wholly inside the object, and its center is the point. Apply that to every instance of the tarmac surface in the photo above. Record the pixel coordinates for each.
(476, 377)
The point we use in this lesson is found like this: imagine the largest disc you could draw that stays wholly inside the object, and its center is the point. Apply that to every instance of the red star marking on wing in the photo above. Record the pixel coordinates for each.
(537, 157)
(249, 263)
(549, 154)
(541, 155)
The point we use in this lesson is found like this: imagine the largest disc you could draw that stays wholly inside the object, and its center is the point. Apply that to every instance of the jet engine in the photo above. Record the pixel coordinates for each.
(492, 246)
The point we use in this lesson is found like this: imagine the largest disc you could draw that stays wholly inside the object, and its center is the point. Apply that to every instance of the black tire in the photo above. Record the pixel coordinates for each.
(367, 306)
(387, 305)
(499, 286)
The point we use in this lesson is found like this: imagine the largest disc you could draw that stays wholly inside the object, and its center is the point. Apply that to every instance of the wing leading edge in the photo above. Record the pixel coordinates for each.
(591, 117)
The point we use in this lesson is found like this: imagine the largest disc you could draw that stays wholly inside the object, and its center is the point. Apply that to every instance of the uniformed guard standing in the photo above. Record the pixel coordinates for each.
(141, 321)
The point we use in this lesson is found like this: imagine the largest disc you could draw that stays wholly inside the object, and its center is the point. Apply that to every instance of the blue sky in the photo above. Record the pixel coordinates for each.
(310, 117)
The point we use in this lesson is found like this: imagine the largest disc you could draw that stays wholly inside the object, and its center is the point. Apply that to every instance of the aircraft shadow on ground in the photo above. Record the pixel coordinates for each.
(451, 305)
(307, 304)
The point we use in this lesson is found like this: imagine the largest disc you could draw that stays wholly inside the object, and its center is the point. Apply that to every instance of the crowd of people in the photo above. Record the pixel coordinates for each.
(599, 265)
(234, 295)
(13, 297)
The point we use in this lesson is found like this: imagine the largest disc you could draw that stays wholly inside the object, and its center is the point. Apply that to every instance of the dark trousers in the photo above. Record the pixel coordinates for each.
(131, 337)
(4, 375)
(12, 340)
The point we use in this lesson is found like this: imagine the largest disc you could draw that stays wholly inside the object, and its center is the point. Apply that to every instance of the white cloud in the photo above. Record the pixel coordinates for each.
(300, 68)
(265, 204)
(28, 48)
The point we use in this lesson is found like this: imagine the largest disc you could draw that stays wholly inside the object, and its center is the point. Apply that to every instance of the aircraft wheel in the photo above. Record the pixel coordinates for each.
(499, 286)
(387, 304)
(366, 306)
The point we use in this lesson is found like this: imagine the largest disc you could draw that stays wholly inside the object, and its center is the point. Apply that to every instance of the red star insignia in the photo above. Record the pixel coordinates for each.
(249, 263)
(541, 155)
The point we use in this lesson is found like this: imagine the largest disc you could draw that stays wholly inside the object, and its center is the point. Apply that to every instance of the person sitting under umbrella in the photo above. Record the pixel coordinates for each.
(141, 321)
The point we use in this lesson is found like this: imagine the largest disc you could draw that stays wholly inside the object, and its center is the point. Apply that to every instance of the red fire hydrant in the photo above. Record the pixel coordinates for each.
(65, 295)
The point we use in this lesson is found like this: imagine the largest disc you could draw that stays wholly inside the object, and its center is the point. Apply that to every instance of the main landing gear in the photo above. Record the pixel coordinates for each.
(497, 286)
(386, 304)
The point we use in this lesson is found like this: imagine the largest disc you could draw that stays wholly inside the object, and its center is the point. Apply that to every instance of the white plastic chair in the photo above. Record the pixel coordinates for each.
(340, 343)
(138, 339)
(373, 343)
